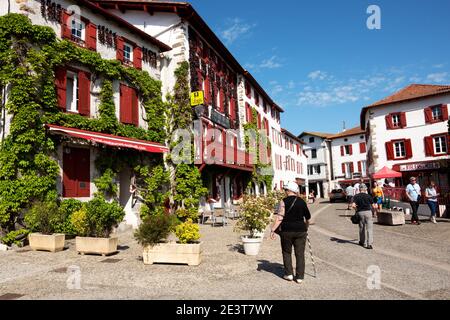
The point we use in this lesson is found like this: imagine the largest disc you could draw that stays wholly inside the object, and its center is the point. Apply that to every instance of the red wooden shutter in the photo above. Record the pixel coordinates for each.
(84, 93)
(267, 127)
(428, 115)
(207, 91)
(362, 147)
(408, 149)
(137, 57)
(125, 104)
(91, 36)
(119, 49)
(402, 119)
(390, 150)
(76, 173)
(257, 99)
(343, 168)
(429, 146)
(232, 109)
(342, 151)
(66, 27)
(359, 167)
(134, 107)
(248, 90)
(83, 172)
(350, 149)
(221, 101)
(61, 84)
(69, 183)
(235, 150)
(352, 167)
(259, 121)
(389, 124)
(445, 112)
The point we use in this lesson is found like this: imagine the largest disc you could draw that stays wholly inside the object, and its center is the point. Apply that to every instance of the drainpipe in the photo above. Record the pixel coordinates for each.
(9, 6)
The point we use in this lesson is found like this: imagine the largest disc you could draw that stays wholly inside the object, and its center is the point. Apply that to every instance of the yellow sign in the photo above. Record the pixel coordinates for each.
(197, 98)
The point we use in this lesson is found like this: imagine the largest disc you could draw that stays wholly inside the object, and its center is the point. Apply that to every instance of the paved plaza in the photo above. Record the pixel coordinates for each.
(414, 262)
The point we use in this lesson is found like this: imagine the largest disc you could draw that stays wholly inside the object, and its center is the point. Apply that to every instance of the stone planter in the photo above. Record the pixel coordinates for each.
(251, 245)
(103, 246)
(52, 243)
(172, 252)
(393, 218)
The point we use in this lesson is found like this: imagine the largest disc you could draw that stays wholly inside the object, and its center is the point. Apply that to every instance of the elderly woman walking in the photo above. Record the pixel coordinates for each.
(363, 204)
(293, 219)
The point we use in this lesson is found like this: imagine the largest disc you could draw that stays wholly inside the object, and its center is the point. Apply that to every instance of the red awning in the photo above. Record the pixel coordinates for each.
(109, 139)
(387, 173)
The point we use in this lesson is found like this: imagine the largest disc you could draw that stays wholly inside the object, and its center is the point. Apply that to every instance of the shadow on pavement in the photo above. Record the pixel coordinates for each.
(272, 267)
(236, 248)
(337, 240)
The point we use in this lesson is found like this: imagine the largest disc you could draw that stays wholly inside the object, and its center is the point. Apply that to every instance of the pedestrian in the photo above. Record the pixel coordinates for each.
(378, 197)
(432, 201)
(363, 204)
(413, 194)
(349, 192)
(312, 196)
(293, 222)
(356, 187)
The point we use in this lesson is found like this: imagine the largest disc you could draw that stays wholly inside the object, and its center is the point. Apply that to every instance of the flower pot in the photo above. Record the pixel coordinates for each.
(190, 253)
(52, 242)
(103, 246)
(251, 245)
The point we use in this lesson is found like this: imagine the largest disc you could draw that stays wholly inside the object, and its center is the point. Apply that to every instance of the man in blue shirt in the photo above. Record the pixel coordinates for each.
(413, 193)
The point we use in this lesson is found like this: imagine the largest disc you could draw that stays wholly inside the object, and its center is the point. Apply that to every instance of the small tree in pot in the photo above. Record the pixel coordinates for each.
(43, 220)
(94, 223)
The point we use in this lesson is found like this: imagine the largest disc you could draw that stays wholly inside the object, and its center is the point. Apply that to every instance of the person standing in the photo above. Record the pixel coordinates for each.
(432, 201)
(413, 194)
(378, 196)
(349, 191)
(363, 204)
(293, 219)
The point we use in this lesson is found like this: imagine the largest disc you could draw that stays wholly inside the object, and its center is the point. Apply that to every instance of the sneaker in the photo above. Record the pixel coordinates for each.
(298, 280)
(369, 247)
(288, 278)
(413, 222)
(434, 220)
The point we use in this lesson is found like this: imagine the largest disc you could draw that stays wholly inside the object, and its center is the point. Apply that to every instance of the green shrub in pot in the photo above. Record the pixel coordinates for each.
(155, 229)
(44, 217)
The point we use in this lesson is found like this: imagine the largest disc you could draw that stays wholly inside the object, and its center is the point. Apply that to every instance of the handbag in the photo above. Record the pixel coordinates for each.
(355, 218)
(278, 230)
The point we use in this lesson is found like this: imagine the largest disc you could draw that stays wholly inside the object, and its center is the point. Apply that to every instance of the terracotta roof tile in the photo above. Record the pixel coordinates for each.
(317, 134)
(347, 133)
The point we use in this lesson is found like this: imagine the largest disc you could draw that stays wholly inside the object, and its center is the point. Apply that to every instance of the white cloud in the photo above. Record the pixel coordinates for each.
(438, 77)
(318, 75)
(236, 28)
(270, 63)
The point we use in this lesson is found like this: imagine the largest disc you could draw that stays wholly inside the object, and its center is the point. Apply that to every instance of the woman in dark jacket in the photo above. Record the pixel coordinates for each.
(293, 218)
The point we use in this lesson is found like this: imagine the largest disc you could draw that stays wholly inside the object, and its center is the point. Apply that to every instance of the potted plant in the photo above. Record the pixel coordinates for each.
(42, 220)
(254, 218)
(94, 223)
(154, 231)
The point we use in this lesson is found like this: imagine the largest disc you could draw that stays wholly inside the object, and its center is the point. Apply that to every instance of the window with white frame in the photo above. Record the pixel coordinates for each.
(72, 92)
(347, 150)
(363, 168)
(127, 52)
(440, 145)
(436, 112)
(396, 120)
(314, 153)
(399, 149)
(78, 30)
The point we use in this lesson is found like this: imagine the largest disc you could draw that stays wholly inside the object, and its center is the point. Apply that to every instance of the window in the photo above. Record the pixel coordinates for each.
(317, 169)
(436, 113)
(311, 139)
(314, 153)
(440, 145)
(362, 147)
(127, 52)
(399, 149)
(78, 30)
(363, 168)
(396, 120)
(346, 150)
(72, 92)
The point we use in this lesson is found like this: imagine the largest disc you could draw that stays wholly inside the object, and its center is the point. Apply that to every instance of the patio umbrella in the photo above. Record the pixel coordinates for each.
(387, 173)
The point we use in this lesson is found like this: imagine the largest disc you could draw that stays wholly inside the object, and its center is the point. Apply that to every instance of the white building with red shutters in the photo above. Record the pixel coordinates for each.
(348, 154)
(408, 132)
(78, 90)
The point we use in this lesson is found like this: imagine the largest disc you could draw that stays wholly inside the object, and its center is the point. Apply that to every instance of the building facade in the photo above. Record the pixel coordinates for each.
(408, 132)
(78, 89)
(317, 148)
(348, 157)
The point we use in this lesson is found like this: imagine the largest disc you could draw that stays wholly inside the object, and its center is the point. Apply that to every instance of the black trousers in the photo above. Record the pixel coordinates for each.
(415, 208)
(298, 241)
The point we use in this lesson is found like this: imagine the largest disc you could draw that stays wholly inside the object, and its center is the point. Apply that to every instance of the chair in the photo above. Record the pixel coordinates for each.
(209, 214)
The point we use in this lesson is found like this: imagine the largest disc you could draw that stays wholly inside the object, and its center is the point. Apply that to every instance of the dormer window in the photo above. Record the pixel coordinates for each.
(78, 31)
(396, 120)
(436, 112)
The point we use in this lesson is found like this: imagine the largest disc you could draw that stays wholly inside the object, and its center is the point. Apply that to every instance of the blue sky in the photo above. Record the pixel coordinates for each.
(320, 62)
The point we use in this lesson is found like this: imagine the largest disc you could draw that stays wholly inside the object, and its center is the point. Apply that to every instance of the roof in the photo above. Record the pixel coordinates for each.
(291, 135)
(108, 15)
(316, 134)
(411, 92)
(187, 12)
(347, 133)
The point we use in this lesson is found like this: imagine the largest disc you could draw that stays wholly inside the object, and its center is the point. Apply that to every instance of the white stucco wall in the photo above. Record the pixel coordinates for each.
(338, 159)
(416, 130)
